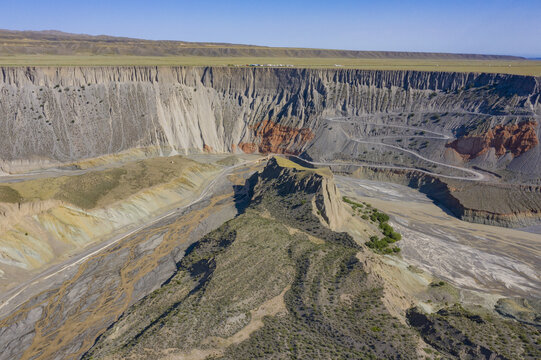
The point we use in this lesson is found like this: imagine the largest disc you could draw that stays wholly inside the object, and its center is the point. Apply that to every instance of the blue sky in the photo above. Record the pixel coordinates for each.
(473, 26)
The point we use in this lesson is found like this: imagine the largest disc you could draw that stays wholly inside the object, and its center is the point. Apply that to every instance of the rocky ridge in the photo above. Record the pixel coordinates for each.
(277, 251)
(289, 178)
(276, 282)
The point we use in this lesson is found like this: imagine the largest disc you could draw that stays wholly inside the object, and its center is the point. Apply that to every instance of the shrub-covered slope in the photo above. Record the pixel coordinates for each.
(275, 282)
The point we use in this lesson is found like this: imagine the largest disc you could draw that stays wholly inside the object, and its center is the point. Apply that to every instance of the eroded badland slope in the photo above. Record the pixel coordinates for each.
(69, 113)
(433, 121)
(273, 282)
(277, 282)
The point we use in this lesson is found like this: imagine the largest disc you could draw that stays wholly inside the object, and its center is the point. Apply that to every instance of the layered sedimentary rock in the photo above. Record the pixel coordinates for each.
(57, 216)
(278, 139)
(57, 115)
(53, 115)
(514, 138)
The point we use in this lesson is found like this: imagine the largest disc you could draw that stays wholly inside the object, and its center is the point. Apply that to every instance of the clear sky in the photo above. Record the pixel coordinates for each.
(459, 26)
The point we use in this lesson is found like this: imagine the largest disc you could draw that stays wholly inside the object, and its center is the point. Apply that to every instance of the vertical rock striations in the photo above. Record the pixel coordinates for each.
(68, 113)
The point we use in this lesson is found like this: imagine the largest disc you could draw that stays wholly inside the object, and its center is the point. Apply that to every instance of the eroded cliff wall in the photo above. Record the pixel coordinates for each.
(68, 113)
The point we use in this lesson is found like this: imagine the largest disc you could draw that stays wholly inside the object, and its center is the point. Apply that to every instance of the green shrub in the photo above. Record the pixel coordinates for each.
(386, 229)
(352, 203)
(390, 237)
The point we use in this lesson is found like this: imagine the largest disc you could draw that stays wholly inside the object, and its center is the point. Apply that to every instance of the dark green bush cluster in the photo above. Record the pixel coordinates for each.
(388, 231)
(364, 210)
(379, 217)
(353, 204)
(389, 235)
(382, 245)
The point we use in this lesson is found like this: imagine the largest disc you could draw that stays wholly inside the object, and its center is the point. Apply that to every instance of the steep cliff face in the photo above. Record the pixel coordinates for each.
(278, 139)
(62, 114)
(514, 138)
(288, 178)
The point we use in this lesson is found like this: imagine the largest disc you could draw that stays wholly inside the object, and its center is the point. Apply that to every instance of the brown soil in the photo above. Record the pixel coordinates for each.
(248, 148)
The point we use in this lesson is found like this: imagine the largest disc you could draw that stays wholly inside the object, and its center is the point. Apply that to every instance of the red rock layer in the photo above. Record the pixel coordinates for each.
(248, 148)
(208, 148)
(516, 138)
(276, 138)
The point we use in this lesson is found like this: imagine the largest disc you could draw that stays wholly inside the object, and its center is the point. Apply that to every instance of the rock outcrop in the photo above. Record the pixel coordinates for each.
(59, 115)
(447, 339)
(278, 139)
(37, 229)
(286, 177)
(276, 252)
(513, 138)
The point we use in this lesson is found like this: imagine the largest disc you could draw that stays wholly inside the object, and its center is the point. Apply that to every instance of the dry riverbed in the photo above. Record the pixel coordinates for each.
(60, 314)
(471, 256)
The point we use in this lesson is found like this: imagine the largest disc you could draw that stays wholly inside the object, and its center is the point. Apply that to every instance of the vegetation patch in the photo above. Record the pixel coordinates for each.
(460, 333)
(381, 245)
(103, 187)
(9, 195)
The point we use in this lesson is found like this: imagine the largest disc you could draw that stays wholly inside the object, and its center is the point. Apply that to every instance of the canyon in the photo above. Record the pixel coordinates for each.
(132, 195)
(64, 114)
(56, 116)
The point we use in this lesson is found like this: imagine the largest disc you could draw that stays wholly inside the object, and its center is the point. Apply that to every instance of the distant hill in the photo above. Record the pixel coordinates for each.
(52, 42)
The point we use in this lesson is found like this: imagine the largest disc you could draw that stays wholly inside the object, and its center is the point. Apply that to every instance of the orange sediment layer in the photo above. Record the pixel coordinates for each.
(276, 138)
(514, 138)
